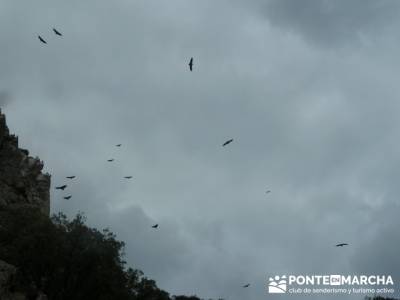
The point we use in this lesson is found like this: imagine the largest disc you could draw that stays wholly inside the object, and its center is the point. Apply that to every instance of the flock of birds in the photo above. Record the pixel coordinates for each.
(155, 226)
(44, 41)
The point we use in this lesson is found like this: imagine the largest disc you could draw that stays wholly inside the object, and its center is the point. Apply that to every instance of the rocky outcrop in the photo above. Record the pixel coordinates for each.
(22, 182)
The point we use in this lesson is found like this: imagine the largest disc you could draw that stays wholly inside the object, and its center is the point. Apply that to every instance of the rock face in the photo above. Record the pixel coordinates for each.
(22, 182)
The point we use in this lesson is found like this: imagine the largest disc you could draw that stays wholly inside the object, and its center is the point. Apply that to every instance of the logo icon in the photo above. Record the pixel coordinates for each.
(277, 285)
(335, 280)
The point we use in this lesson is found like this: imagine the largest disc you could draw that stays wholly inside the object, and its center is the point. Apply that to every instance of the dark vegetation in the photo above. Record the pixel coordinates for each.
(379, 298)
(68, 260)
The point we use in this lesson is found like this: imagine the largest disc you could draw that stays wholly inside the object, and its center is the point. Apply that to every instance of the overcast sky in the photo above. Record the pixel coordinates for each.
(309, 91)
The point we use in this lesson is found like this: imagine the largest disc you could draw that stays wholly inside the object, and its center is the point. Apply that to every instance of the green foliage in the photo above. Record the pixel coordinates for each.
(68, 260)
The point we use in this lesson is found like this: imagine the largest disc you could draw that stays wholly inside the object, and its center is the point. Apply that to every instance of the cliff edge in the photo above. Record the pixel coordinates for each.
(22, 182)
(22, 185)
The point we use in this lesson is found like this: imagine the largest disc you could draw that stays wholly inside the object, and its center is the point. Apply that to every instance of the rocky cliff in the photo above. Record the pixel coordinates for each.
(22, 184)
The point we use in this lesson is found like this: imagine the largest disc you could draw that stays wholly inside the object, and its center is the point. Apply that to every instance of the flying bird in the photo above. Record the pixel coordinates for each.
(191, 64)
(246, 285)
(341, 245)
(57, 32)
(70, 177)
(128, 177)
(62, 187)
(42, 40)
(154, 226)
(67, 197)
(112, 159)
(267, 192)
(227, 142)
(118, 145)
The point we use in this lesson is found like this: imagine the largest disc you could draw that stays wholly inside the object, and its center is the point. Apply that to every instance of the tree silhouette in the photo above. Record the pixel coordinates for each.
(68, 260)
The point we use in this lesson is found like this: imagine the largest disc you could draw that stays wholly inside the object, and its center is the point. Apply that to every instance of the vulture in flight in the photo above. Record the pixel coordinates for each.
(128, 177)
(246, 285)
(118, 145)
(57, 32)
(154, 226)
(112, 159)
(227, 142)
(62, 187)
(42, 40)
(341, 245)
(70, 177)
(191, 64)
(67, 197)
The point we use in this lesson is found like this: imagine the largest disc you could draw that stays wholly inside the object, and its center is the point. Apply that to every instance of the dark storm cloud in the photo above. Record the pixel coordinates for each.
(330, 23)
(317, 128)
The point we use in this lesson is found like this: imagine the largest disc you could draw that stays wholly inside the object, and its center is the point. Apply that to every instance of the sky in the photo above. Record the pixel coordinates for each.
(307, 89)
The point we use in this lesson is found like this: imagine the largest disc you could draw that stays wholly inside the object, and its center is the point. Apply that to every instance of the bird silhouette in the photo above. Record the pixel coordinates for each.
(191, 64)
(118, 145)
(62, 187)
(57, 32)
(112, 159)
(341, 245)
(128, 177)
(67, 197)
(246, 285)
(154, 226)
(267, 192)
(227, 142)
(70, 177)
(41, 39)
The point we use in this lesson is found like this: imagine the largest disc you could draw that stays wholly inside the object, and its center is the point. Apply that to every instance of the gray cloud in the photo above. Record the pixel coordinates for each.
(318, 128)
(5, 98)
(333, 23)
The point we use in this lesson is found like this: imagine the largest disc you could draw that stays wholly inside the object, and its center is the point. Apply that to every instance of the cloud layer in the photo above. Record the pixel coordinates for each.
(308, 90)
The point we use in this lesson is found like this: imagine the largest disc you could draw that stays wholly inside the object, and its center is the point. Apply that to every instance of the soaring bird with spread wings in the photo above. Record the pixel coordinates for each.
(70, 177)
(341, 245)
(62, 187)
(227, 142)
(41, 39)
(191, 64)
(57, 32)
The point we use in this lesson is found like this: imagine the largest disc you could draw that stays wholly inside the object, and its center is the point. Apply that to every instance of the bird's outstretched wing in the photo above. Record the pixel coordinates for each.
(41, 39)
